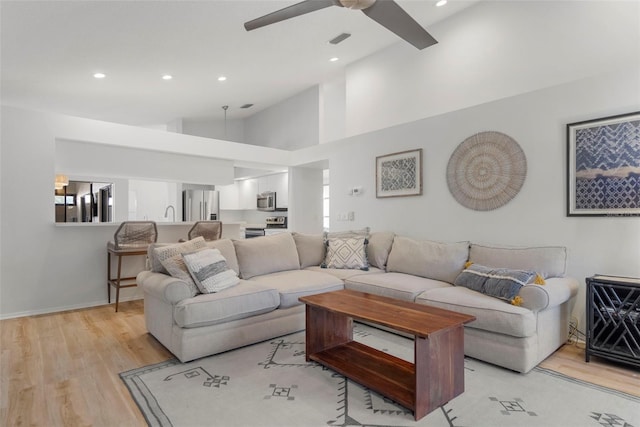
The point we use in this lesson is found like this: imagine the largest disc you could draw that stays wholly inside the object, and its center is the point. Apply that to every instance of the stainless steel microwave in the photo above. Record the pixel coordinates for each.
(266, 201)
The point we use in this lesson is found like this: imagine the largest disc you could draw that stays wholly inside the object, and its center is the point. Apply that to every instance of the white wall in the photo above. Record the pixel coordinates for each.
(332, 109)
(492, 50)
(536, 216)
(291, 124)
(83, 158)
(231, 130)
(47, 267)
(305, 199)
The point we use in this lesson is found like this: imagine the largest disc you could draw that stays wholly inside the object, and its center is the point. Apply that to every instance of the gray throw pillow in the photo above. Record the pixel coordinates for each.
(210, 271)
(502, 283)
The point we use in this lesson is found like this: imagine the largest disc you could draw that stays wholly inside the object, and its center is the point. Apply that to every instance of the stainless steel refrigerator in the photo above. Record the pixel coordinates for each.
(200, 205)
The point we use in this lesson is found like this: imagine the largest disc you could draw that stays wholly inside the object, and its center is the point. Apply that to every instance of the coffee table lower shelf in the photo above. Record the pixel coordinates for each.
(435, 377)
(372, 368)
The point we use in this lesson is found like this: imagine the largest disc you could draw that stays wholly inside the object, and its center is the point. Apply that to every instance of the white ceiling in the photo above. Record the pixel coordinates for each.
(51, 49)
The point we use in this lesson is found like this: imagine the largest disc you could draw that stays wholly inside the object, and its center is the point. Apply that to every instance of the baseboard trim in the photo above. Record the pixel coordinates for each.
(63, 308)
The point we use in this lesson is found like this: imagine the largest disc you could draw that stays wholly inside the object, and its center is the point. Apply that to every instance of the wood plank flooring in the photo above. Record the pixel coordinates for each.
(62, 369)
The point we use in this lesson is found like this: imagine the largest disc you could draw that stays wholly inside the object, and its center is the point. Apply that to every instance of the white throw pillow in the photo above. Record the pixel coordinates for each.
(210, 271)
(346, 252)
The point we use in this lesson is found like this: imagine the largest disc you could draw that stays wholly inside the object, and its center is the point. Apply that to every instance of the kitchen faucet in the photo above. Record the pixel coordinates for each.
(166, 212)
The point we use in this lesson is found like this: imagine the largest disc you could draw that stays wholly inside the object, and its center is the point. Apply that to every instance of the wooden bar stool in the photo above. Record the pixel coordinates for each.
(130, 239)
(210, 230)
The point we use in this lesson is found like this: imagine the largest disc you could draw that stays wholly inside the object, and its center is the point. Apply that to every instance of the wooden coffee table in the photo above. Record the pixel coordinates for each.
(435, 377)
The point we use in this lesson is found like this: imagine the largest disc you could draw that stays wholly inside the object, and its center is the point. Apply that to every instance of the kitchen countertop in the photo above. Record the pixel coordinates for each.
(255, 225)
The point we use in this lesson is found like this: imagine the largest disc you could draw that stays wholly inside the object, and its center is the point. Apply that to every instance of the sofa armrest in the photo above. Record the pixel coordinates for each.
(554, 292)
(164, 287)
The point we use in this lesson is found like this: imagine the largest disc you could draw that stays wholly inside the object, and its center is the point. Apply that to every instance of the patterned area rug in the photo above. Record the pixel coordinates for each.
(270, 384)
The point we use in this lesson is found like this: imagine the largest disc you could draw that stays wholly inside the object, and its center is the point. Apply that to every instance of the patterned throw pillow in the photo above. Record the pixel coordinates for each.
(502, 283)
(171, 259)
(346, 252)
(210, 271)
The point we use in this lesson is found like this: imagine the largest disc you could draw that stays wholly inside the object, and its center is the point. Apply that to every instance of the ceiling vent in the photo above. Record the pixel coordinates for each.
(342, 37)
(247, 106)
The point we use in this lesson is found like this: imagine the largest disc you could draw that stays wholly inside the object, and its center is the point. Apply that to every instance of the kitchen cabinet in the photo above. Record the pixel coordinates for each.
(242, 194)
(278, 183)
(247, 191)
(263, 184)
(238, 196)
(229, 196)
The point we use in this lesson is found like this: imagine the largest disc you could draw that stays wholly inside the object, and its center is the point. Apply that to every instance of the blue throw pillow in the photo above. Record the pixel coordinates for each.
(502, 283)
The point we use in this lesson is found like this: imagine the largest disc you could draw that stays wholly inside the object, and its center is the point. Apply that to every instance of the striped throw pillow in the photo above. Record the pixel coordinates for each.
(210, 271)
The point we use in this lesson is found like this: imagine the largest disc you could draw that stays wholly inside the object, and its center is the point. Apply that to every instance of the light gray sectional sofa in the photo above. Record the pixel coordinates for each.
(276, 270)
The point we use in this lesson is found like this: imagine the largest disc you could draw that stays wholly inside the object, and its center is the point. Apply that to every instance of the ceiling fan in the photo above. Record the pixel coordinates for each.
(385, 12)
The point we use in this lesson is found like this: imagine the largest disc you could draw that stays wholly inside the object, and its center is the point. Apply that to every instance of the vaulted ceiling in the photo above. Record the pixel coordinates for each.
(51, 50)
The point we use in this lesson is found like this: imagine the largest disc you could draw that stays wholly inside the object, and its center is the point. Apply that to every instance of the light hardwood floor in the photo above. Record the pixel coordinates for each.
(62, 369)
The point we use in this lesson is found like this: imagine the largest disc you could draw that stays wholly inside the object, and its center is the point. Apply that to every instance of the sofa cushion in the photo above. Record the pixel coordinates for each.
(491, 314)
(548, 261)
(210, 271)
(379, 248)
(433, 260)
(394, 285)
(238, 302)
(344, 273)
(555, 291)
(311, 248)
(267, 254)
(348, 233)
(502, 283)
(298, 283)
(346, 252)
(228, 251)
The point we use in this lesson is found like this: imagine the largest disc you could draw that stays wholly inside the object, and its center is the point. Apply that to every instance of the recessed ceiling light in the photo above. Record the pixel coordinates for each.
(441, 3)
(222, 78)
(334, 59)
(167, 77)
(99, 75)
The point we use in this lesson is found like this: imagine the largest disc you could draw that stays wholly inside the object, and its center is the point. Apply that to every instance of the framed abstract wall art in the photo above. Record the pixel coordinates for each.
(399, 174)
(603, 171)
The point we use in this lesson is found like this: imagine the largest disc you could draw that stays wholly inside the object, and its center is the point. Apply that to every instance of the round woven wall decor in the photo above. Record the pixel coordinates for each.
(486, 171)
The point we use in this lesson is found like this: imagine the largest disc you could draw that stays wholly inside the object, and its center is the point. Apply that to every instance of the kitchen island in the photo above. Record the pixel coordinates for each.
(84, 246)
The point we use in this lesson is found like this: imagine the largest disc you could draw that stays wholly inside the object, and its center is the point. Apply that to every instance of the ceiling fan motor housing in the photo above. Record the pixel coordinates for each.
(357, 4)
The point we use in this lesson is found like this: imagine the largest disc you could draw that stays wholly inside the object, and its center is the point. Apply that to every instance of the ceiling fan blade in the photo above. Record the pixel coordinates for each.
(288, 12)
(390, 15)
